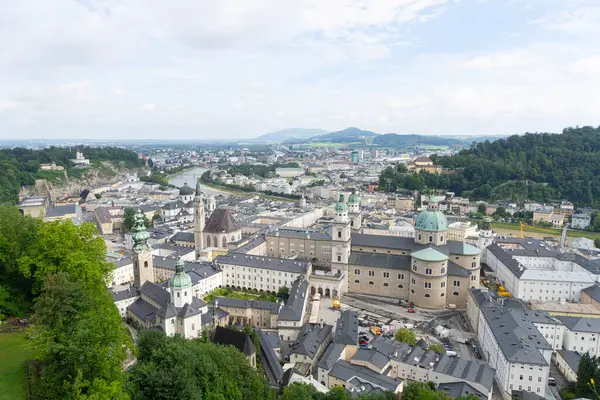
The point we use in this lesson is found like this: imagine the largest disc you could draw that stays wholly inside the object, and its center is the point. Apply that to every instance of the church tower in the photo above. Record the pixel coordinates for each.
(180, 286)
(199, 220)
(354, 211)
(340, 245)
(143, 269)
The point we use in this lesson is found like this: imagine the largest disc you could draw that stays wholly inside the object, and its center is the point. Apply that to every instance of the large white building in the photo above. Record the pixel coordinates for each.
(581, 334)
(530, 269)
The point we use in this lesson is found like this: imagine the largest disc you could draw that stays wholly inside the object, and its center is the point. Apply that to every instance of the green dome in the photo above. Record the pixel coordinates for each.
(429, 254)
(181, 280)
(185, 190)
(431, 221)
(140, 235)
(341, 206)
(353, 199)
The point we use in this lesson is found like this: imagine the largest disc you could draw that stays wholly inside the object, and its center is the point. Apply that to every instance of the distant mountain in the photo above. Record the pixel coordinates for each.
(347, 135)
(288, 134)
(395, 140)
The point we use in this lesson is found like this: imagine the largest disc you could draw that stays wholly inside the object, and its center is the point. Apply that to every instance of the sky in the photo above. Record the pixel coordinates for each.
(206, 69)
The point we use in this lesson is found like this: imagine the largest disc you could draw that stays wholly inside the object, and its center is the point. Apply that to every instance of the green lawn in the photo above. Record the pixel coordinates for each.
(239, 294)
(557, 232)
(13, 354)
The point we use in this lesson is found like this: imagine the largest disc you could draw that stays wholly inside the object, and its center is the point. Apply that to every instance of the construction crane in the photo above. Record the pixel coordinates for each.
(563, 236)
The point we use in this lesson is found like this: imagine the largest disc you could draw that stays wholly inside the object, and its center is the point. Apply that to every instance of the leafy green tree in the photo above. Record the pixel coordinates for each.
(482, 208)
(597, 243)
(283, 293)
(300, 391)
(129, 219)
(438, 348)
(185, 369)
(589, 368)
(596, 223)
(422, 391)
(407, 336)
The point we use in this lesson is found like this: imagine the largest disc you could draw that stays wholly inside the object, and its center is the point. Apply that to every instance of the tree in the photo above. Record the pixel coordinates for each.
(178, 368)
(597, 243)
(407, 336)
(596, 223)
(589, 368)
(129, 219)
(482, 208)
(283, 293)
(150, 163)
(438, 348)
(422, 391)
(300, 391)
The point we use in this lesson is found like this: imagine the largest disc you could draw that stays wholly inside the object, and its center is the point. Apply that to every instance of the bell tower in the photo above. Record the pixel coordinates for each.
(354, 212)
(143, 269)
(340, 244)
(199, 219)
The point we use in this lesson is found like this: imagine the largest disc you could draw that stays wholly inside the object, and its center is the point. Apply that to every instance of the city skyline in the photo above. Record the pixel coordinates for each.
(198, 70)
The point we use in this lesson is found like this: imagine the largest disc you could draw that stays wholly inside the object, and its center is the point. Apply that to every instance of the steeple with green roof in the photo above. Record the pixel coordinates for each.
(140, 234)
(180, 285)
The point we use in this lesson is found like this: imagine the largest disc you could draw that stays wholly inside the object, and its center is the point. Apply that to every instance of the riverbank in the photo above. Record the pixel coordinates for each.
(241, 193)
(500, 226)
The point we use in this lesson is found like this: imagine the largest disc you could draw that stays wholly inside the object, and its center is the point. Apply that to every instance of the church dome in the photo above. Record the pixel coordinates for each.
(341, 206)
(181, 279)
(431, 221)
(185, 190)
(353, 199)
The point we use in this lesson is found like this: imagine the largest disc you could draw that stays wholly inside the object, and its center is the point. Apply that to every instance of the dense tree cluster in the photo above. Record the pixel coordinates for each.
(588, 376)
(177, 368)
(58, 271)
(21, 166)
(539, 167)
(303, 391)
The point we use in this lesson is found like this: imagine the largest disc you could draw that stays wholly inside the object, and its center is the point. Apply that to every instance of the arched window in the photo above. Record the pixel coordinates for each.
(208, 241)
(420, 237)
(145, 264)
(339, 234)
(232, 238)
(224, 242)
(371, 283)
(412, 291)
(427, 295)
(455, 294)
(430, 238)
(443, 271)
(400, 286)
(352, 223)
(385, 284)
(441, 238)
(442, 295)
(428, 271)
(356, 281)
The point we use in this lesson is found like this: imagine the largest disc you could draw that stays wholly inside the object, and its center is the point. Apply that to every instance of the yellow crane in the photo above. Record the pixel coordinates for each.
(522, 225)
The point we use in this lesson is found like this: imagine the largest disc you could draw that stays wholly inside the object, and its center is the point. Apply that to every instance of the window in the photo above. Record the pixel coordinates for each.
(385, 284)
(456, 284)
(428, 271)
(400, 286)
(413, 281)
(443, 271)
(414, 267)
(371, 283)
(427, 295)
(427, 285)
(442, 238)
(224, 242)
(357, 272)
(386, 274)
(455, 294)
(520, 377)
(430, 239)
(442, 294)
(193, 327)
(339, 234)
(400, 276)
(443, 284)
(178, 294)
(356, 281)
(420, 237)
(339, 258)
(412, 291)
(473, 277)
(145, 264)
(530, 378)
(371, 273)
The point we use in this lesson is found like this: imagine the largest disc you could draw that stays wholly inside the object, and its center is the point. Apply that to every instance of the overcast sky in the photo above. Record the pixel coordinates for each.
(239, 68)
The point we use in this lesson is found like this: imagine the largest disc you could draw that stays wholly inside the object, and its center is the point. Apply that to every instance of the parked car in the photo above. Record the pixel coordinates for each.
(375, 331)
(551, 381)
(411, 311)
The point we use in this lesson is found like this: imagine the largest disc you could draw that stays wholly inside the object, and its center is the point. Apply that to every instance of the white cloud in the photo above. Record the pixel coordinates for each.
(239, 68)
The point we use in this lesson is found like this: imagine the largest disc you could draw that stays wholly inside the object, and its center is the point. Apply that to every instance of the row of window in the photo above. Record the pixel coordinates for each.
(528, 388)
(539, 379)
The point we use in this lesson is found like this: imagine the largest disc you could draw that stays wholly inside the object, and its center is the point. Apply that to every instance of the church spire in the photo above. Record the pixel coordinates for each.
(140, 234)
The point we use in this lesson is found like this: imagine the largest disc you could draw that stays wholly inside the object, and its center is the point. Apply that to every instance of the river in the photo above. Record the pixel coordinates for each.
(190, 177)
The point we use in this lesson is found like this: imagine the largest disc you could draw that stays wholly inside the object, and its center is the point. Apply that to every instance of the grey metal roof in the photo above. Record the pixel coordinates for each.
(232, 337)
(273, 339)
(456, 389)
(371, 356)
(580, 324)
(359, 376)
(257, 304)
(188, 311)
(390, 242)
(378, 260)
(487, 298)
(156, 293)
(331, 355)
(124, 294)
(183, 237)
(346, 331)
(169, 311)
(207, 318)
(456, 270)
(266, 349)
(143, 310)
(518, 339)
(61, 211)
(572, 358)
(294, 306)
(466, 370)
(250, 245)
(310, 338)
(300, 233)
(593, 291)
(278, 264)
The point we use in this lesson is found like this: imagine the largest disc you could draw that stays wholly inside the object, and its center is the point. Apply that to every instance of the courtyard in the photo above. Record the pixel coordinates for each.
(13, 353)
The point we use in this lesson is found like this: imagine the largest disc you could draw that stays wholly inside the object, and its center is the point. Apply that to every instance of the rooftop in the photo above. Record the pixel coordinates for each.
(222, 221)
(232, 337)
(310, 338)
(278, 264)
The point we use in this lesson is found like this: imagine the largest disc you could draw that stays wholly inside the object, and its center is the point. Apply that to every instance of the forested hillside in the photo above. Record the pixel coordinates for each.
(21, 167)
(539, 167)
